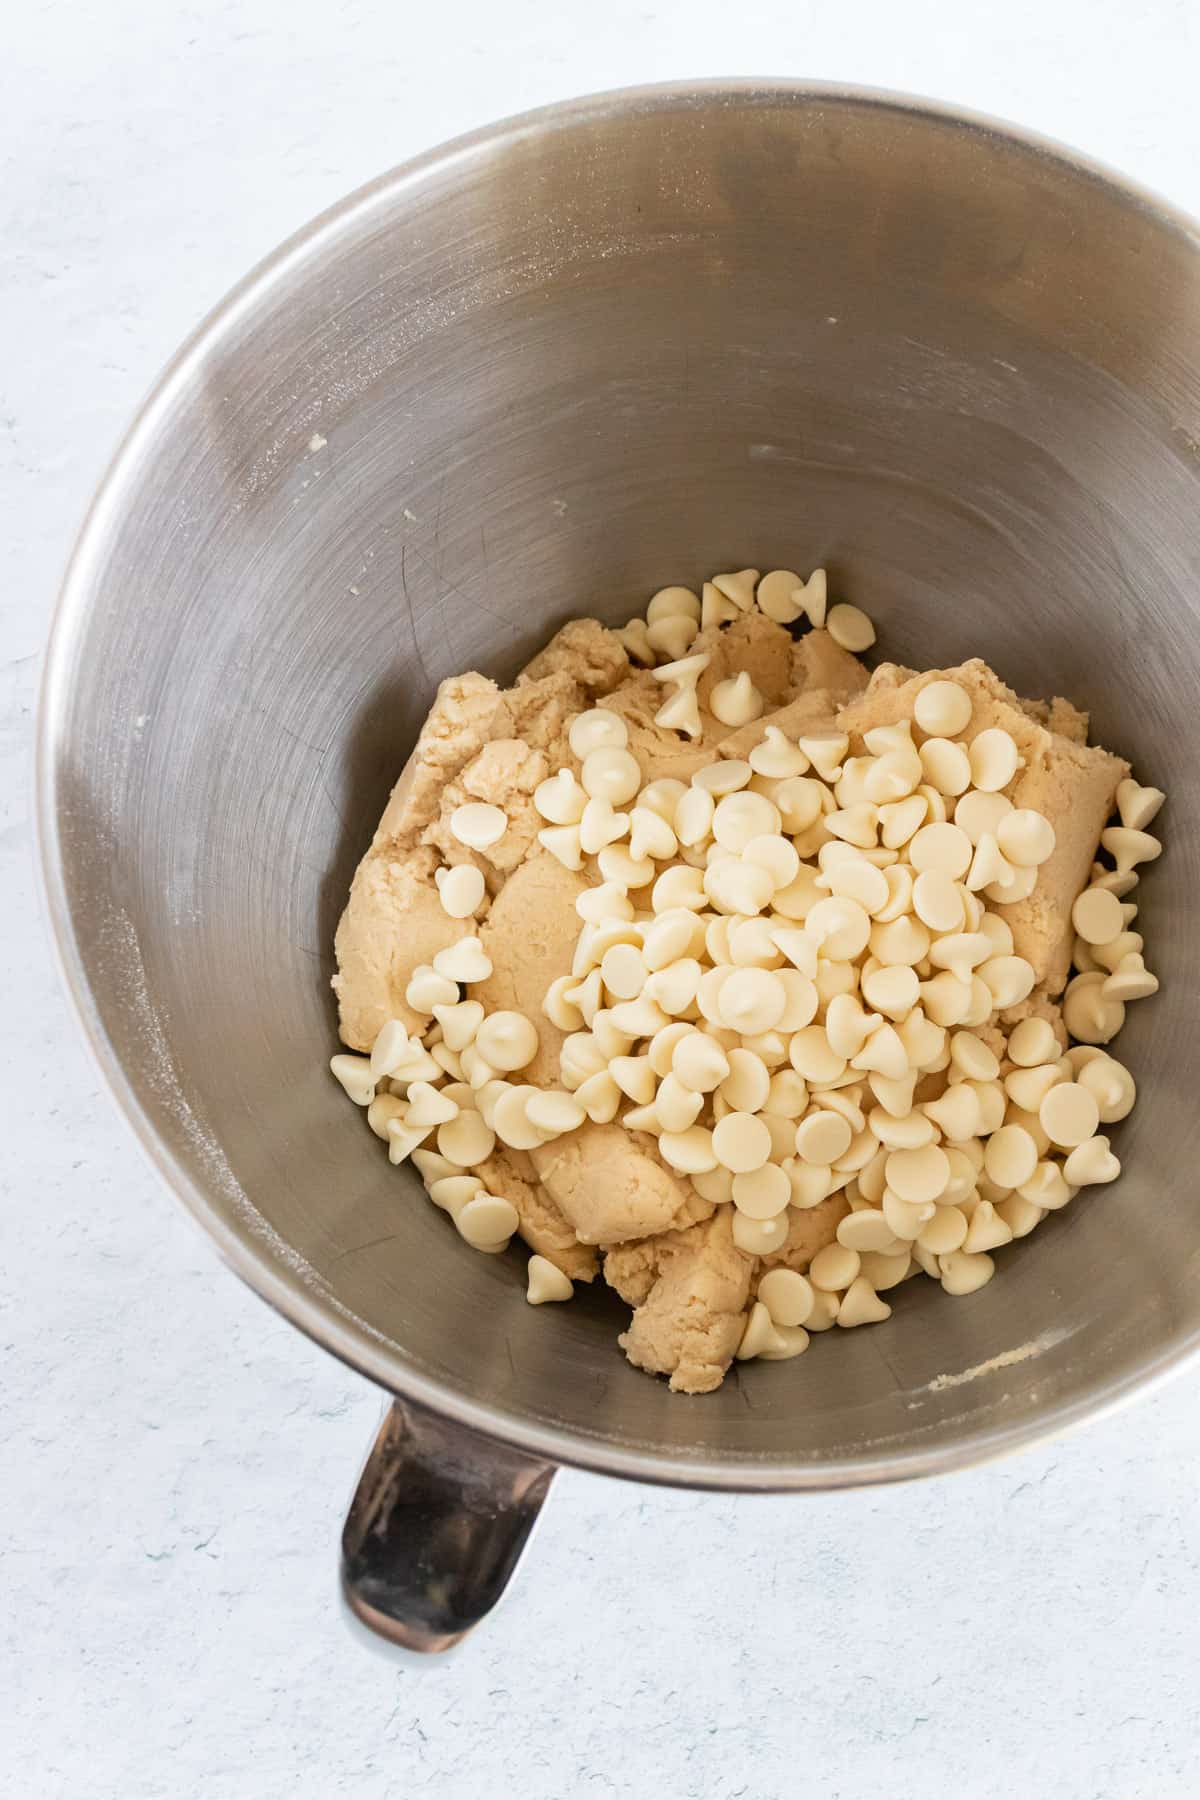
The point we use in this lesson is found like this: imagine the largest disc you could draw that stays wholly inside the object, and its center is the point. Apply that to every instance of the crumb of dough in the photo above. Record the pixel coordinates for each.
(529, 935)
(817, 662)
(689, 1291)
(393, 922)
(610, 1184)
(587, 652)
(1060, 716)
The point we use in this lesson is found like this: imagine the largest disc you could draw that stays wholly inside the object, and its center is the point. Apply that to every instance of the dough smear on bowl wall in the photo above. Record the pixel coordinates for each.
(714, 965)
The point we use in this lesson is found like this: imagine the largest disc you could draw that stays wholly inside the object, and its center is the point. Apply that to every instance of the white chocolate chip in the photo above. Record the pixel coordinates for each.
(1091, 1163)
(822, 1138)
(600, 826)
(459, 1022)
(1131, 980)
(1088, 1014)
(392, 1050)
(780, 596)
(563, 843)
(979, 814)
(738, 587)
(1027, 1088)
(813, 597)
(1017, 885)
(636, 643)
(466, 1140)
(460, 890)
(761, 1193)
(671, 602)
(938, 901)
(463, 962)
(1020, 1215)
(1129, 848)
(355, 1075)
(1098, 917)
(381, 1111)
(690, 1152)
(1112, 1086)
(546, 1282)
(943, 709)
(892, 990)
(1010, 1156)
(670, 637)
(428, 987)
(738, 887)
(918, 1176)
(612, 775)
(560, 799)
(739, 818)
(552, 1112)
(487, 1222)
(826, 751)
(1010, 979)
(840, 927)
(994, 759)
(507, 1040)
(850, 628)
(865, 1231)
(861, 1305)
(478, 825)
(741, 1142)
(887, 780)
(452, 1192)
(1025, 837)
(777, 757)
(787, 1296)
(680, 711)
(426, 1106)
(990, 871)
(1032, 1042)
(715, 609)
(759, 1336)
(1109, 956)
(1070, 1115)
(725, 776)
(755, 1002)
(1047, 1188)
(945, 766)
(834, 1267)
(946, 1231)
(963, 1273)
(775, 854)
(941, 847)
(1136, 805)
(650, 835)
(736, 701)
(599, 1096)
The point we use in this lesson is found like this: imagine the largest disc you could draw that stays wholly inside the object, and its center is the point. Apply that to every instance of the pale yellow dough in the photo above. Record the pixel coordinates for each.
(602, 1194)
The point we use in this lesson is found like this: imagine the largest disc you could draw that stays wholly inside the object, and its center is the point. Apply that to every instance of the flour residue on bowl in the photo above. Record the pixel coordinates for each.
(1005, 1360)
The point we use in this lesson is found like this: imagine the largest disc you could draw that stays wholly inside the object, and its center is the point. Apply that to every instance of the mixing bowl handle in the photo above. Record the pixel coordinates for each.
(436, 1527)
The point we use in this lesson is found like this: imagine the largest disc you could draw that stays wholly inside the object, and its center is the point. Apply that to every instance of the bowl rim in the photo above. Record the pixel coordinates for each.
(310, 1308)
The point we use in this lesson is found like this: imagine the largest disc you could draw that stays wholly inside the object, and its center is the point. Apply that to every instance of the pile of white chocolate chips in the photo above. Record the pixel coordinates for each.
(795, 974)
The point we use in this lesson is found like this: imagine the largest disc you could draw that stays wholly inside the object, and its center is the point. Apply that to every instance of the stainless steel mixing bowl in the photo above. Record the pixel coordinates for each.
(536, 374)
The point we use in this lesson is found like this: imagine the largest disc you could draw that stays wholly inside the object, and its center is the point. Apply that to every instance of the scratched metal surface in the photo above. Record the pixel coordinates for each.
(540, 377)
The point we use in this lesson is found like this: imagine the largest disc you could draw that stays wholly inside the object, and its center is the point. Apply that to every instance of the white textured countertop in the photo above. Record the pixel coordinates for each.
(174, 1461)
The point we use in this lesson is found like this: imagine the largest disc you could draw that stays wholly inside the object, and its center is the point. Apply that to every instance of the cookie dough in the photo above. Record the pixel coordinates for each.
(876, 987)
